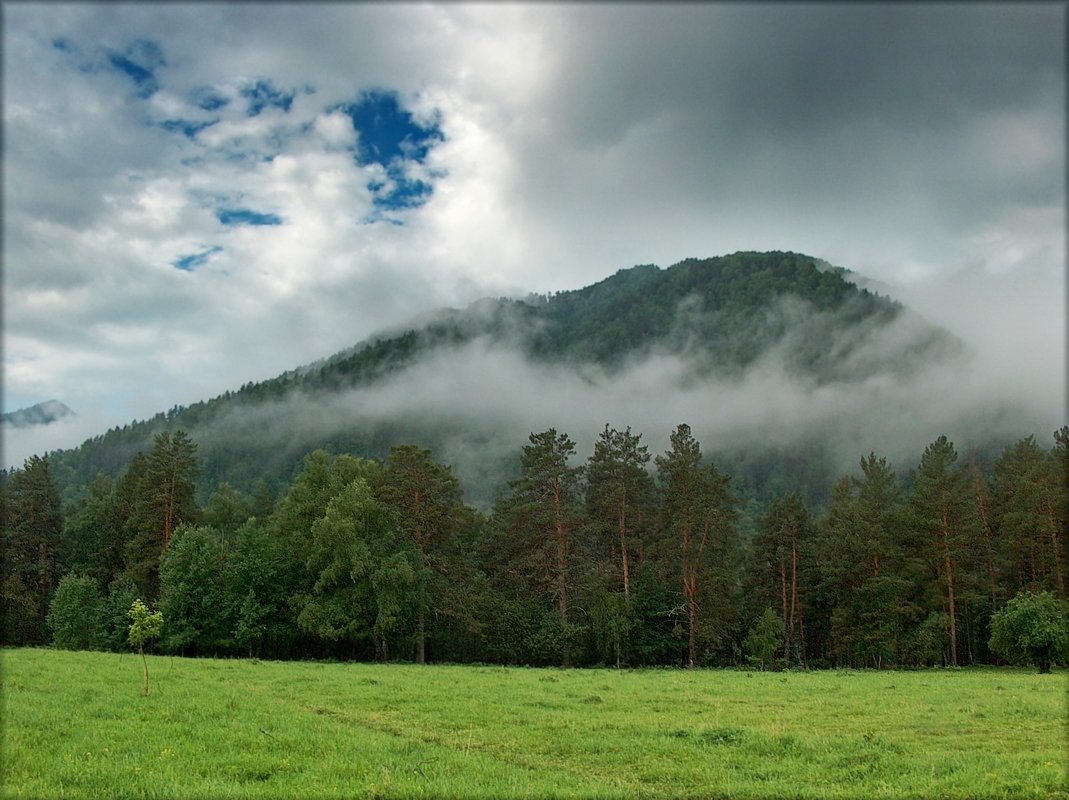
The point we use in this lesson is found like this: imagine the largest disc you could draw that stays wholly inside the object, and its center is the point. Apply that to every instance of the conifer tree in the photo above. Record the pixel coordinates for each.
(541, 515)
(783, 534)
(1030, 501)
(697, 511)
(33, 524)
(942, 514)
(619, 491)
(425, 497)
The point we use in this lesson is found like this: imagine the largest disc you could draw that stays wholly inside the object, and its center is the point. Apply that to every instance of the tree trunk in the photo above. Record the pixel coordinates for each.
(421, 637)
(1059, 572)
(786, 617)
(794, 599)
(692, 622)
(623, 549)
(989, 549)
(953, 609)
(144, 663)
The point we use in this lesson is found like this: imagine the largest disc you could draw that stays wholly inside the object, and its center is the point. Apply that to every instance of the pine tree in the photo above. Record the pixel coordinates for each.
(941, 512)
(619, 491)
(697, 510)
(1030, 502)
(33, 524)
(172, 467)
(541, 515)
(425, 497)
(783, 533)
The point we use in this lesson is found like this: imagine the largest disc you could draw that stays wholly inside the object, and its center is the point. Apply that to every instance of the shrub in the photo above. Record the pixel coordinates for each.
(763, 639)
(1032, 629)
(74, 614)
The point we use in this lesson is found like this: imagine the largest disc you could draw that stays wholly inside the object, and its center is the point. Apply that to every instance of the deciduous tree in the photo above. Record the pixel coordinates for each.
(1032, 629)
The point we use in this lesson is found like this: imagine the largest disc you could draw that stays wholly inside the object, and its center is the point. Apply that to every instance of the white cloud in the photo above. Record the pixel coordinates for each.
(922, 146)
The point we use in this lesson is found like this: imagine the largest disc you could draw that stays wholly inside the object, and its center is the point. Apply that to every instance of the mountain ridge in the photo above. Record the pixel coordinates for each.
(718, 317)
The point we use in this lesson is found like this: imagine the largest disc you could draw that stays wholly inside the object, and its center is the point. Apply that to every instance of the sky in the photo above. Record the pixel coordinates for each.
(198, 196)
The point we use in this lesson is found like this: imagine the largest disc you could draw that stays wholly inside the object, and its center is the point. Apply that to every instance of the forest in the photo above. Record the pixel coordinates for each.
(718, 316)
(619, 557)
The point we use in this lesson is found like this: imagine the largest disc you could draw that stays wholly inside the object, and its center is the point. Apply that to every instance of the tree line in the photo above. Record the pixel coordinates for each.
(626, 559)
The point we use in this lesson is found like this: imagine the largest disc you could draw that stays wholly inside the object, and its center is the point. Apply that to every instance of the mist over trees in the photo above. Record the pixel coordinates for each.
(585, 559)
(790, 348)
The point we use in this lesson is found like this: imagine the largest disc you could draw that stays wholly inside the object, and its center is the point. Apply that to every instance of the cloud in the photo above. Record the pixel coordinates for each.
(505, 149)
(480, 400)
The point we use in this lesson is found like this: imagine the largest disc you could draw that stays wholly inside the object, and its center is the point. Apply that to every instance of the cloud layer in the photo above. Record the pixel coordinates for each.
(197, 196)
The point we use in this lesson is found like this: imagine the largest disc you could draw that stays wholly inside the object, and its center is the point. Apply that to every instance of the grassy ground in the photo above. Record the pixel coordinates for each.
(76, 725)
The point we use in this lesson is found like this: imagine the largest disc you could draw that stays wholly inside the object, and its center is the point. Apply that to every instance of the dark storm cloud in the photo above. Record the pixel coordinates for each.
(851, 116)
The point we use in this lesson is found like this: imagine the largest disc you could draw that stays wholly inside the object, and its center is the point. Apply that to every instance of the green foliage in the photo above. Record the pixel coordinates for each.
(362, 580)
(782, 572)
(114, 613)
(192, 593)
(763, 639)
(32, 527)
(539, 519)
(1031, 501)
(426, 500)
(74, 615)
(145, 625)
(930, 641)
(1032, 629)
(942, 515)
(610, 617)
(361, 559)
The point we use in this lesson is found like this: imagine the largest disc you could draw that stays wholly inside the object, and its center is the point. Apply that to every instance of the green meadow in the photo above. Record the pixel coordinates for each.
(77, 725)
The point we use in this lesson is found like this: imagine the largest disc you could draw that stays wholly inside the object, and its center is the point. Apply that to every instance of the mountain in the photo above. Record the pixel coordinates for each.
(40, 414)
(470, 383)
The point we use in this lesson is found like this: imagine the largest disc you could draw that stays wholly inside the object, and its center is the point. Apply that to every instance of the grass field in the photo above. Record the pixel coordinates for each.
(77, 725)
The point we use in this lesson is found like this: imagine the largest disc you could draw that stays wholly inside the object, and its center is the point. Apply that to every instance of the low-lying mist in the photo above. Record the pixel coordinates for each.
(483, 398)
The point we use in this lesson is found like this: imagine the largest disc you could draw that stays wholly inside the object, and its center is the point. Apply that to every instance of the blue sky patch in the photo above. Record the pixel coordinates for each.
(243, 216)
(186, 127)
(208, 99)
(264, 94)
(139, 63)
(388, 131)
(194, 260)
(390, 135)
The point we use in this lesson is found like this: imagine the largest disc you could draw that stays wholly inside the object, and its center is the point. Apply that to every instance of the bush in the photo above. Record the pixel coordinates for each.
(1032, 629)
(763, 639)
(74, 614)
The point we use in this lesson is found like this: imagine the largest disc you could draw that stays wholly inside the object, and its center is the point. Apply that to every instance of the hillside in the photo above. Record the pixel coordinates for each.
(40, 414)
(714, 318)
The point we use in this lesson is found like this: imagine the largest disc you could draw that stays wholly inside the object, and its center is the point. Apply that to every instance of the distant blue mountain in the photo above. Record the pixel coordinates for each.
(41, 414)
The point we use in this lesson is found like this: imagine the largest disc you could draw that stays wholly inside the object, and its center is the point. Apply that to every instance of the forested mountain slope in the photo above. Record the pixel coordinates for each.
(715, 318)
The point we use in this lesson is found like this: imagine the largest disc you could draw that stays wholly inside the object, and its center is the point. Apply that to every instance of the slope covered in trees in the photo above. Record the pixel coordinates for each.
(717, 316)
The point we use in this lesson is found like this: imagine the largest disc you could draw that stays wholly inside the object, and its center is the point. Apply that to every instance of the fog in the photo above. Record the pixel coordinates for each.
(484, 398)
